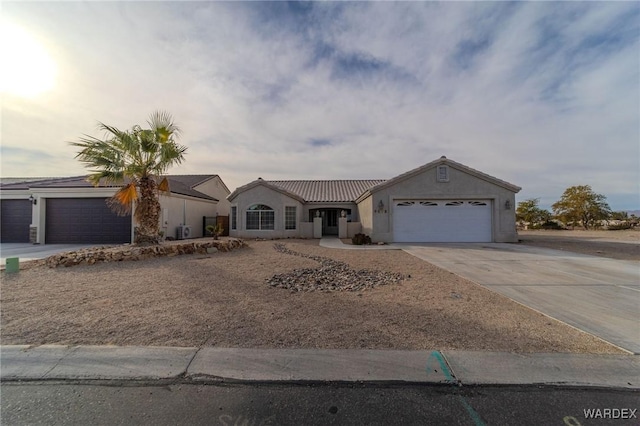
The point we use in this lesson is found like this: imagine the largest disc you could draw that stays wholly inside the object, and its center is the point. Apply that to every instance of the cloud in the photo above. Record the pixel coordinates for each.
(544, 95)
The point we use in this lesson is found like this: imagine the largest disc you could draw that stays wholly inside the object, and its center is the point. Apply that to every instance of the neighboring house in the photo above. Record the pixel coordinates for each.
(442, 201)
(71, 210)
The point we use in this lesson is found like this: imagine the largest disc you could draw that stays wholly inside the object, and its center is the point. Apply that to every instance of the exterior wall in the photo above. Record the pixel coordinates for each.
(306, 229)
(365, 212)
(217, 189)
(179, 210)
(39, 212)
(277, 201)
(353, 228)
(461, 185)
(173, 203)
(342, 206)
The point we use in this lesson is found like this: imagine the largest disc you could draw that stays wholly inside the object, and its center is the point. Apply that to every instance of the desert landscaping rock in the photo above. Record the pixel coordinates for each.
(121, 253)
(222, 300)
(332, 275)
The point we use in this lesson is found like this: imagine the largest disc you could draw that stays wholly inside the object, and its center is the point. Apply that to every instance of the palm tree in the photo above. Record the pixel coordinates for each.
(138, 159)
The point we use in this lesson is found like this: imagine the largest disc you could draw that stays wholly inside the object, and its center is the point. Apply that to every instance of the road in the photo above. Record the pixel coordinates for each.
(174, 403)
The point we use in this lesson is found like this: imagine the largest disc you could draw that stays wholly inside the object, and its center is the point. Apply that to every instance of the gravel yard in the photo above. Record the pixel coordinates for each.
(225, 300)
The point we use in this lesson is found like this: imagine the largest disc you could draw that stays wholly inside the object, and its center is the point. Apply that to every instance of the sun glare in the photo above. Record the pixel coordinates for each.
(27, 69)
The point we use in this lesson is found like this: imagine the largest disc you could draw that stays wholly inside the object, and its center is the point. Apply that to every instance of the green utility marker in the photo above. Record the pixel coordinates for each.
(13, 264)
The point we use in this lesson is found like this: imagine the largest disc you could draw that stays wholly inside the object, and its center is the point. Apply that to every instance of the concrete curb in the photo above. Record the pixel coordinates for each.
(51, 362)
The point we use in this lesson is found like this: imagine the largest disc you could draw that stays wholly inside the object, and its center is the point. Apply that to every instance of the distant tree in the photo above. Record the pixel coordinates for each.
(579, 204)
(138, 159)
(619, 215)
(529, 212)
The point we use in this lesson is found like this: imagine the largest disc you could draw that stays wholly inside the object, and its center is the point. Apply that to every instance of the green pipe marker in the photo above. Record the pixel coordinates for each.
(13, 264)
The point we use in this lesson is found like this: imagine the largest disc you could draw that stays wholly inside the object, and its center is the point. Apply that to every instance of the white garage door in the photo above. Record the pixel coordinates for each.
(442, 221)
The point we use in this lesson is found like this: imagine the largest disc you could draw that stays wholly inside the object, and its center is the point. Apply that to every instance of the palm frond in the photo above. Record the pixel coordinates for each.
(127, 195)
(137, 156)
(164, 185)
(162, 123)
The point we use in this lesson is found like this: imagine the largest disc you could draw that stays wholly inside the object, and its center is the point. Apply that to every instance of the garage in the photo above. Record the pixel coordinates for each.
(15, 221)
(442, 221)
(84, 221)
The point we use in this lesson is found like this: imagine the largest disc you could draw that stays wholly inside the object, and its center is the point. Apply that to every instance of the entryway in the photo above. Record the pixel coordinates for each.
(329, 219)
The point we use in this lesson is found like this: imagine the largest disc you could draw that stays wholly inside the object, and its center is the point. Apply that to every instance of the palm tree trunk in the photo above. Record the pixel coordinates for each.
(147, 213)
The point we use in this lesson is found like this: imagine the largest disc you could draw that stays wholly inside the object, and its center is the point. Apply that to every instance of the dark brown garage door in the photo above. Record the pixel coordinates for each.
(15, 221)
(85, 221)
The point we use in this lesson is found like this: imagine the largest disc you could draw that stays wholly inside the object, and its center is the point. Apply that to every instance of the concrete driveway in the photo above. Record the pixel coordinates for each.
(598, 295)
(28, 251)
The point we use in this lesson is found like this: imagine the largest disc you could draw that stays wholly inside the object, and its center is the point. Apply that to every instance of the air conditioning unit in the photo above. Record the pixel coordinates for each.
(184, 232)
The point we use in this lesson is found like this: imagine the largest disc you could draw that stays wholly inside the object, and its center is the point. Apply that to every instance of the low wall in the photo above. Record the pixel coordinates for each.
(353, 228)
(129, 252)
(306, 229)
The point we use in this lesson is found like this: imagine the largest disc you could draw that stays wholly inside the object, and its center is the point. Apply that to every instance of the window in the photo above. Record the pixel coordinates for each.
(442, 173)
(454, 203)
(260, 217)
(477, 203)
(428, 204)
(290, 216)
(234, 217)
(405, 203)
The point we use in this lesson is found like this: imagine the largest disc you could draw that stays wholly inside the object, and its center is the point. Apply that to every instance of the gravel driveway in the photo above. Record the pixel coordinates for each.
(224, 300)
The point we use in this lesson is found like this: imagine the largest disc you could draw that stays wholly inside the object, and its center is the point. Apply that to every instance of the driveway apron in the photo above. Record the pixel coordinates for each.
(597, 295)
(27, 251)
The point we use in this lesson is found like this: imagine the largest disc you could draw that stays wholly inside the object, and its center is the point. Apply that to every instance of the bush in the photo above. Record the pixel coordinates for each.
(361, 239)
(549, 224)
(215, 230)
(620, 226)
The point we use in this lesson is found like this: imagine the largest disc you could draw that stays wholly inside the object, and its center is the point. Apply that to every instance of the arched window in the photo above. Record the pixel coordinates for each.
(260, 217)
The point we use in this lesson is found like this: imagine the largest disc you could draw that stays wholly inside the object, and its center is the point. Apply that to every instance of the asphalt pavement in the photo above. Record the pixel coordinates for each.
(53, 384)
(315, 404)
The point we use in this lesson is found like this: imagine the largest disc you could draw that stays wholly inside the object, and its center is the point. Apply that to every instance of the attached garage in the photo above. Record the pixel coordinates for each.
(440, 221)
(84, 221)
(15, 221)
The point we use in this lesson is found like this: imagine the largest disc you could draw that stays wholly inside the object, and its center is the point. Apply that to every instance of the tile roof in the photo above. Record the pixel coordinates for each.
(183, 184)
(21, 180)
(179, 184)
(441, 160)
(327, 190)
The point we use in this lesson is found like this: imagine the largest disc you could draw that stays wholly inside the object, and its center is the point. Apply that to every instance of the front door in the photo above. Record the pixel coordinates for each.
(329, 222)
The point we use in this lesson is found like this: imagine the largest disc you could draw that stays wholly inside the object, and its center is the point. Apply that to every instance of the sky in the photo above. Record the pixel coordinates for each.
(544, 95)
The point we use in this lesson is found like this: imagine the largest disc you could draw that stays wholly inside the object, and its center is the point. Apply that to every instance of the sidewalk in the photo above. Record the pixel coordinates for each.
(52, 362)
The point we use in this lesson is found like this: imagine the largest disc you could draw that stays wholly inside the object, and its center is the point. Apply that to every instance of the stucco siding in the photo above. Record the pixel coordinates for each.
(365, 212)
(461, 185)
(274, 199)
(216, 188)
(178, 210)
